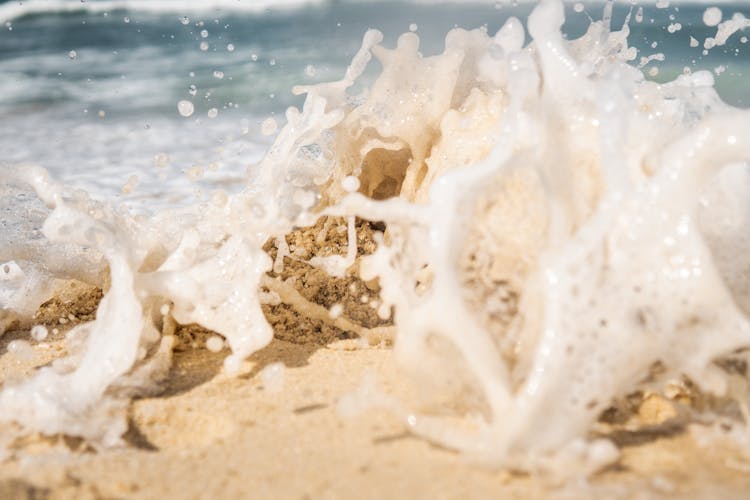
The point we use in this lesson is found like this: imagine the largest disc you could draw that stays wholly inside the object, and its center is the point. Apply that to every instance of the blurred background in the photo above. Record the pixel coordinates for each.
(158, 101)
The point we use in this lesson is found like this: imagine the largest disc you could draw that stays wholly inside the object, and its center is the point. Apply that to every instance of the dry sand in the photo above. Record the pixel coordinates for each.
(207, 435)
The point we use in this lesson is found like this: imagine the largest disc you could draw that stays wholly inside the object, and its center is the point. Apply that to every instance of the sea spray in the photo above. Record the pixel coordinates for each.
(556, 226)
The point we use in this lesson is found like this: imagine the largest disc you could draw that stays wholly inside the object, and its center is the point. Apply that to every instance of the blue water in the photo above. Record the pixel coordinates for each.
(96, 117)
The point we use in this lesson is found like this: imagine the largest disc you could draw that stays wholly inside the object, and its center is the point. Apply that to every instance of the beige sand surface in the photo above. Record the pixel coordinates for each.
(207, 435)
(210, 436)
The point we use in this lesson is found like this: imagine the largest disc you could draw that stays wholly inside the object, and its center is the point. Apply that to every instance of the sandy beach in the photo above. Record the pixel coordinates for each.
(504, 270)
(208, 435)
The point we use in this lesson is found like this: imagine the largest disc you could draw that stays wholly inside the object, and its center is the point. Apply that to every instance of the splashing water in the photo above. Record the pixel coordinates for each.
(556, 226)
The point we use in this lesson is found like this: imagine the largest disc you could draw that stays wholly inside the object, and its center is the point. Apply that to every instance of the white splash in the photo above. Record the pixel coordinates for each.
(557, 225)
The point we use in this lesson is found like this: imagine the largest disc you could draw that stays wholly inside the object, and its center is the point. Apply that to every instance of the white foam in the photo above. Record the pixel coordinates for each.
(556, 226)
(39, 332)
(14, 10)
(712, 16)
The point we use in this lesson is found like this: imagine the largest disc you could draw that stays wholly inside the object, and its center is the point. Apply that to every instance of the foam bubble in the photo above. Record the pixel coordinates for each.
(39, 332)
(185, 108)
(350, 183)
(712, 16)
(336, 310)
(215, 343)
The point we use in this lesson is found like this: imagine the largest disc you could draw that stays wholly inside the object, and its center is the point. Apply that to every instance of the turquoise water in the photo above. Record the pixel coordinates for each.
(90, 89)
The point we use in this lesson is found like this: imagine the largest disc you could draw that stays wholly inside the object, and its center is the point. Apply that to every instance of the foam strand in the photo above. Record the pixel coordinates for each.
(638, 245)
(55, 401)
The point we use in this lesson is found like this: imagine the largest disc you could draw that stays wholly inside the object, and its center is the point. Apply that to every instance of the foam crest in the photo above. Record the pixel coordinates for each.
(14, 10)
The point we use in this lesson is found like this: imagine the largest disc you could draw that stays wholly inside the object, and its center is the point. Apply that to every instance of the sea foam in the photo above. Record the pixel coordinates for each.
(557, 226)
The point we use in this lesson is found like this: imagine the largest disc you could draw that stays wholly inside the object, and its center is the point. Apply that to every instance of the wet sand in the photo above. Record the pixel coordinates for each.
(211, 436)
(207, 435)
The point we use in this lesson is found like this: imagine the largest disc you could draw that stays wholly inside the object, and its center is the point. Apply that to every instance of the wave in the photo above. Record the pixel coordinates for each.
(15, 10)
(557, 227)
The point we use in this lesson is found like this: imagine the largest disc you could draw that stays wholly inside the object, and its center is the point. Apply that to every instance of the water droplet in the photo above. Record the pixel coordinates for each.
(350, 184)
(204, 46)
(213, 113)
(272, 62)
(204, 33)
(336, 310)
(185, 20)
(127, 20)
(230, 47)
(218, 74)
(73, 54)
(269, 126)
(310, 70)
(185, 108)
(192, 90)
(215, 343)
(712, 16)
(413, 27)
(578, 7)
(39, 333)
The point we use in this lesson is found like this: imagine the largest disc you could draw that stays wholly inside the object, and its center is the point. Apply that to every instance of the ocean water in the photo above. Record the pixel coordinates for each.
(90, 89)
